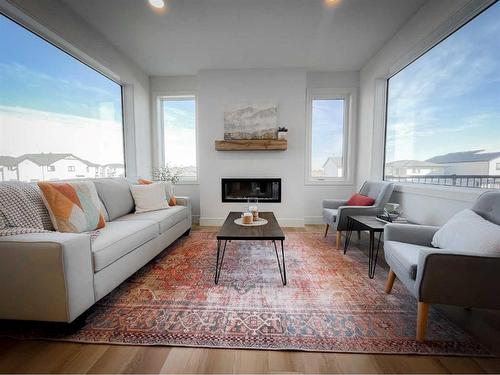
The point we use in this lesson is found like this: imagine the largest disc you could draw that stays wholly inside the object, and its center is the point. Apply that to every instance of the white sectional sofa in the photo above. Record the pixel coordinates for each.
(58, 276)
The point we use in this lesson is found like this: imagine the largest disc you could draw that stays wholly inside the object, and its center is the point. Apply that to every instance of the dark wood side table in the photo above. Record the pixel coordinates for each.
(268, 232)
(371, 224)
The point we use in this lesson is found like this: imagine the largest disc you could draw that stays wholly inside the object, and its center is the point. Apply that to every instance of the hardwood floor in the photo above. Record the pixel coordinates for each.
(24, 356)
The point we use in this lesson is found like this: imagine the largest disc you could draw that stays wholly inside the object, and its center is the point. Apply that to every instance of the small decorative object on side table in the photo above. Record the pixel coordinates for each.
(373, 225)
(282, 132)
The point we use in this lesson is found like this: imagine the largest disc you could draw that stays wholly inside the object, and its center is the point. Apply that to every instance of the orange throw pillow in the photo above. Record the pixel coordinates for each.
(172, 201)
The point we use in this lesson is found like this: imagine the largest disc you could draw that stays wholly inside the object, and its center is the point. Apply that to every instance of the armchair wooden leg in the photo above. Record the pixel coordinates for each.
(339, 238)
(422, 314)
(326, 229)
(390, 281)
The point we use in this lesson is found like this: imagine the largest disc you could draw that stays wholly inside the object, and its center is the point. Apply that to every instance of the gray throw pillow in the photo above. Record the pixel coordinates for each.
(116, 196)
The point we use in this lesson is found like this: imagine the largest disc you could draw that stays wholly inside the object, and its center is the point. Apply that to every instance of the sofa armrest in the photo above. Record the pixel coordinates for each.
(183, 201)
(333, 203)
(458, 278)
(186, 201)
(46, 276)
(410, 233)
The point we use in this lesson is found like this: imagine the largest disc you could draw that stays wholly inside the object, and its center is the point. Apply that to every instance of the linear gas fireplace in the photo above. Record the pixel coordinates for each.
(267, 190)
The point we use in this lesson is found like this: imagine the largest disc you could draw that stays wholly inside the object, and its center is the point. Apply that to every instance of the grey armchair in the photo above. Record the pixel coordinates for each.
(335, 211)
(437, 276)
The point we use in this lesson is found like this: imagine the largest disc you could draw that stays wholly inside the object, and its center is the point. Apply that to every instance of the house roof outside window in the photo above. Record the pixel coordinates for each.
(42, 159)
(464, 157)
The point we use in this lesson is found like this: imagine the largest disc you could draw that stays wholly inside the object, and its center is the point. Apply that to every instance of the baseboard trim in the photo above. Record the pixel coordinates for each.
(313, 220)
(284, 222)
(210, 222)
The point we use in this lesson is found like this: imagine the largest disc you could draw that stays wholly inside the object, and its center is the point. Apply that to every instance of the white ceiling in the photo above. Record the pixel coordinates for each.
(234, 34)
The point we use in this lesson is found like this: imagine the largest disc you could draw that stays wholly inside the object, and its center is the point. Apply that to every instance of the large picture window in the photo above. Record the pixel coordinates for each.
(443, 111)
(328, 126)
(178, 124)
(59, 118)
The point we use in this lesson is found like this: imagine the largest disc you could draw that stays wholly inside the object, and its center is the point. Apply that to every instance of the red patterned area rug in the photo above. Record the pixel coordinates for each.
(329, 304)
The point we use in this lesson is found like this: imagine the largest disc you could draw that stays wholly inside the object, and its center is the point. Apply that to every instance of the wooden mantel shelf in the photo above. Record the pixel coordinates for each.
(251, 145)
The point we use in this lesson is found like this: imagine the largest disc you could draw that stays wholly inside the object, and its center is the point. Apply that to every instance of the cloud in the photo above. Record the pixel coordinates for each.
(446, 99)
(24, 130)
(35, 78)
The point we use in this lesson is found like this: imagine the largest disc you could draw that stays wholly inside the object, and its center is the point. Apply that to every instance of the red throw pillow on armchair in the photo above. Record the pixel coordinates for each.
(360, 200)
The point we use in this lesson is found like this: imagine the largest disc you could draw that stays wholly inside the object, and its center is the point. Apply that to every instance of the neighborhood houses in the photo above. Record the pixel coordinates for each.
(476, 168)
(472, 163)
(50, 166)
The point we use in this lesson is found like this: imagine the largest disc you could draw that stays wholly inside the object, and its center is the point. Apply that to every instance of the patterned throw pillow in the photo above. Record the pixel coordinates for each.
(73, 207)
(21, 205)
(3, 224)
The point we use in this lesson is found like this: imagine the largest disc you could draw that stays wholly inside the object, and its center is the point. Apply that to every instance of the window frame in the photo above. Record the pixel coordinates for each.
(31, 25)
(161, 132)
(349, 97)
(451, 25)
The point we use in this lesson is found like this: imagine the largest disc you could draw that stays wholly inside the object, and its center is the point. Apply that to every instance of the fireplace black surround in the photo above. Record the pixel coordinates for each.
(267, 190)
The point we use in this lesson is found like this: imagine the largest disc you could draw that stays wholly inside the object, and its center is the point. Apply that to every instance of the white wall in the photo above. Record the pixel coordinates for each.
(59, 19)
(218, 90)
(422, 204)
(222, 90)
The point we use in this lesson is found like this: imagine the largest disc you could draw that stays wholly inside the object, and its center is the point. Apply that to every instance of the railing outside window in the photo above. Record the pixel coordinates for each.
(470, 181)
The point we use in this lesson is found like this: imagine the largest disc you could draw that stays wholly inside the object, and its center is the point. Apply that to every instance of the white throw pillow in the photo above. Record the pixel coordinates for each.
(149, 197)
(469, 232)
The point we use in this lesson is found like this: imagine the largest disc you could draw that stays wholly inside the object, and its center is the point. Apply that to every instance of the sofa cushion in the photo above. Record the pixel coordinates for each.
(116, 196)
(166, 219)
(120, 238)
(329, 215)
(404, 255)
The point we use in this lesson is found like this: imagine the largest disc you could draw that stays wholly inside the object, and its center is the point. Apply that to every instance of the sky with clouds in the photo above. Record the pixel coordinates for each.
(66, 104)
(180, 132)
(327, 131)
(448, 100)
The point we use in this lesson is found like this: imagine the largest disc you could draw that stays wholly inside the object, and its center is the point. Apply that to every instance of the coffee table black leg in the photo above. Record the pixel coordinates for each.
(349, 233)
(371, 270)
(217, 261)
(218, 266)
(282, 271)
(370, 253)
(283, 256)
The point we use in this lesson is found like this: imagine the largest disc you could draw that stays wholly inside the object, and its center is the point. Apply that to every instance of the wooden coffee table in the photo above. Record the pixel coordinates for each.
(234, 232)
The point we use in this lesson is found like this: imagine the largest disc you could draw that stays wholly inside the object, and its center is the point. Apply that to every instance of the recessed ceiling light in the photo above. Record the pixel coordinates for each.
(157, 3)
(332, 3)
